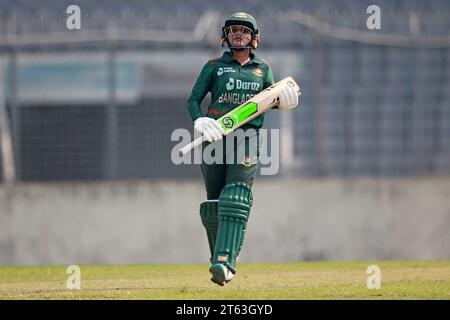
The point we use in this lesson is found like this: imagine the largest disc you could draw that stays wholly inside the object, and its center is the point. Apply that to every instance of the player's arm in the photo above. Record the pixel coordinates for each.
(208, 127)
(268, 80)
(201, 87)
(288, 97)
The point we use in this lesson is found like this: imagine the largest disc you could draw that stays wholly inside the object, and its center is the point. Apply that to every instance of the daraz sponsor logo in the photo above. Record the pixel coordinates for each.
(242, 85)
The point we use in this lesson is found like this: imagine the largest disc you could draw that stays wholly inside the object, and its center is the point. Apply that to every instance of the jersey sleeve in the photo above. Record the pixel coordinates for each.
(268, 81)
(201, 87)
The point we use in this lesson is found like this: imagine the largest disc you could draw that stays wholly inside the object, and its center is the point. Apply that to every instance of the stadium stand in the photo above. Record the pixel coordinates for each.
(367, 109)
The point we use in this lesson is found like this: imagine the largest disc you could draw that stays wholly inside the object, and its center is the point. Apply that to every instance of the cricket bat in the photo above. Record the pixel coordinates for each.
(247, 111)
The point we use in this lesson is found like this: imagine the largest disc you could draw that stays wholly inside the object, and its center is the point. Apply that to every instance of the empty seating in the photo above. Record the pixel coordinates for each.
(366, 109)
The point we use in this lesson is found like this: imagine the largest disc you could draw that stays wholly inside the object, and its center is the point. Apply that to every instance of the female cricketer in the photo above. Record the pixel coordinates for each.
(231, 79)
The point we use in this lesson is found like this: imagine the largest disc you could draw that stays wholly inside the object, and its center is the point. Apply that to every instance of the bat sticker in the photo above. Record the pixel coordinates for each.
(228, 122)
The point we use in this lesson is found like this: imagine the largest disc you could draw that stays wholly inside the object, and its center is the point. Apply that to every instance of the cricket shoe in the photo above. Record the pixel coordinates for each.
(220, 274)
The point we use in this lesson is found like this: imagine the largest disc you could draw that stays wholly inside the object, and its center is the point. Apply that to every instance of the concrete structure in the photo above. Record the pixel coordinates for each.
(155, 222)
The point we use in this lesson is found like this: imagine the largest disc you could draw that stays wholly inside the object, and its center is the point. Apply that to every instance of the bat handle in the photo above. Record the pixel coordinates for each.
(190, 146)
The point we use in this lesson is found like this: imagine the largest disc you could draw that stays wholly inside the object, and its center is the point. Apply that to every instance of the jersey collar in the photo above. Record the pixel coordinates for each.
(228, 58)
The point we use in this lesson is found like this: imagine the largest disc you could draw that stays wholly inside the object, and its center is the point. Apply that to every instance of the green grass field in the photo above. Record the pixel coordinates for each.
(305, 280)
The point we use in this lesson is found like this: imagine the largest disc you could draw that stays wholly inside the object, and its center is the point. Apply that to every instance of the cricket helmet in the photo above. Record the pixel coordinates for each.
(241, 19)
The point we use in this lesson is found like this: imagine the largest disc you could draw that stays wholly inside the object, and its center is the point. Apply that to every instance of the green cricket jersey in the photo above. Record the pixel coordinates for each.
(230, 85)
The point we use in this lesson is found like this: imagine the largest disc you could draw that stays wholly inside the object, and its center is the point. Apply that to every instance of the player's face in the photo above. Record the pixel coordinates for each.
(239, 36)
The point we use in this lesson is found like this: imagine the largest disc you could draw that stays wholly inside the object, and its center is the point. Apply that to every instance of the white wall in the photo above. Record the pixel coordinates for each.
(139, 222)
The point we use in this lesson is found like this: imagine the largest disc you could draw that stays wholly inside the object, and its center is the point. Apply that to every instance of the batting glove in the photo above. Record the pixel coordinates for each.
(209, 128)
(288, 99)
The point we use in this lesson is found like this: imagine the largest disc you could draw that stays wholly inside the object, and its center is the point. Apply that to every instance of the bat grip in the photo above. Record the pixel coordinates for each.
(190, 146)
